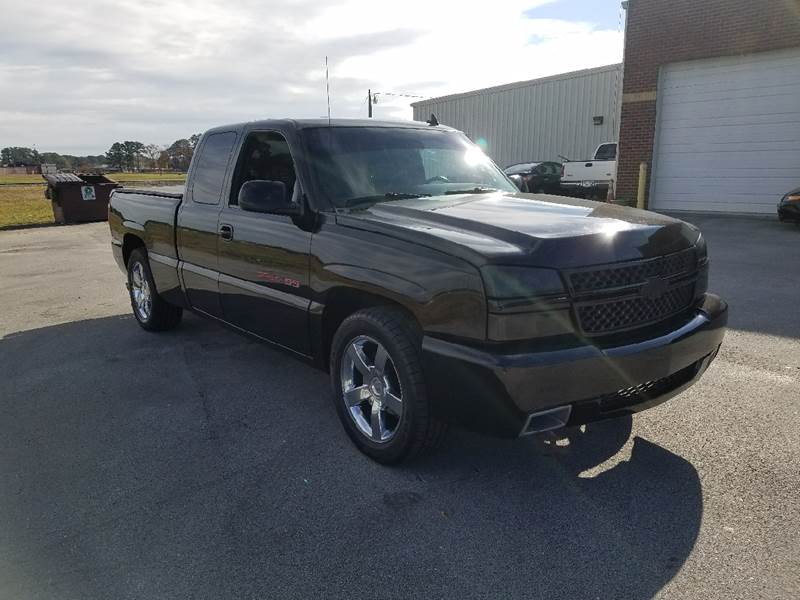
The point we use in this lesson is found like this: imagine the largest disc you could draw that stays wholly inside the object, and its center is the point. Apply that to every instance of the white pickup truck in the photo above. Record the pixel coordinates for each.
(591, 178)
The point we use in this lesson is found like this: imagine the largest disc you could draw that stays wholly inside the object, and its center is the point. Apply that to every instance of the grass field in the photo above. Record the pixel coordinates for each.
(24, 205)
(120, 177)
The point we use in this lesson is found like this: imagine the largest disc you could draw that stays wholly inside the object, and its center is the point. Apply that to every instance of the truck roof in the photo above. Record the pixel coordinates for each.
(324, 122)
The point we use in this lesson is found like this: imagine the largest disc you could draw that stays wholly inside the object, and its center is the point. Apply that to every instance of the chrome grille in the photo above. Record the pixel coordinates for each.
(614, 276)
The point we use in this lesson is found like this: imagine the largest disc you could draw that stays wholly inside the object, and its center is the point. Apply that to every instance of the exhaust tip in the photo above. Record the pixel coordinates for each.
(546, 420)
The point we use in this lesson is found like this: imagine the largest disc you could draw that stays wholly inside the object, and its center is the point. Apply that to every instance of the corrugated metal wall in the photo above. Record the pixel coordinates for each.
(536, 120)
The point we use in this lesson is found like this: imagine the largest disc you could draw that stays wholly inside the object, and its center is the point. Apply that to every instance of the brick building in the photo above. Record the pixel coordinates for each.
(711, 101)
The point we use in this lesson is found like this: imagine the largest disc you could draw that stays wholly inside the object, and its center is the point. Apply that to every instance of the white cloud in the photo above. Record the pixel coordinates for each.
(79, 76)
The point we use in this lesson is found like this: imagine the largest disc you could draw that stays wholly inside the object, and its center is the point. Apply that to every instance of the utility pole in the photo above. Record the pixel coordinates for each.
(369, 103)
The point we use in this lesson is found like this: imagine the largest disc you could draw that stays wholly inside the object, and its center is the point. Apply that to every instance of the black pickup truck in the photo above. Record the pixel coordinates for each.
(401, 259)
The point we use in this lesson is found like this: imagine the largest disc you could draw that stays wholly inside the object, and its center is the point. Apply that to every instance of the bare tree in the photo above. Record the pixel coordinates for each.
(163, 160)
(152, 152)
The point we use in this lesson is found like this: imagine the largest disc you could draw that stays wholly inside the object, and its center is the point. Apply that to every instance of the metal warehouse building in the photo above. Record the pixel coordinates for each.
(536, 120)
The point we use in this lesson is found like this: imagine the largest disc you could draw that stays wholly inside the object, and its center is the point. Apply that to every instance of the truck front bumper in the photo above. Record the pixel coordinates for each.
(509, 393)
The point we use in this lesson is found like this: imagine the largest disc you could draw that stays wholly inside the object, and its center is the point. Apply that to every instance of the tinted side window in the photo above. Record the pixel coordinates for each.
(209, 174)
(265, 156)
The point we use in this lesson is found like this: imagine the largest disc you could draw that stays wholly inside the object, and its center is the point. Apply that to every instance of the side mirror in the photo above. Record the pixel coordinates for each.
(265, 196)
(519, 182)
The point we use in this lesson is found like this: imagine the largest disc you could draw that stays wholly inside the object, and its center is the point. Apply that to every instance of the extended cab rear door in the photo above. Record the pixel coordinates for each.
(264, 258)
(198, 217)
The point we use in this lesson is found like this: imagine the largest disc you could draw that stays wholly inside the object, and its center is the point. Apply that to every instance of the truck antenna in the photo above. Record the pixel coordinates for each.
(328, 90)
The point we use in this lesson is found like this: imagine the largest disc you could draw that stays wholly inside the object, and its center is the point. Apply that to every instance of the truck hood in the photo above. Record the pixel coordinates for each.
(533, 229)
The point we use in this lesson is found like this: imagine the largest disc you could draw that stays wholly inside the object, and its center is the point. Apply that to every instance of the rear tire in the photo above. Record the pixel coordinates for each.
(378, 387)
(152, 312)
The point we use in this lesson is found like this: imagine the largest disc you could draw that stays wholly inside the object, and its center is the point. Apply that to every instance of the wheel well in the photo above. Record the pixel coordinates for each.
(129, 243)
(340, 304)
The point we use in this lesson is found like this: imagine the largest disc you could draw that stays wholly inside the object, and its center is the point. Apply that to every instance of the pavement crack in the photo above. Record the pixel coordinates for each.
(193, 379)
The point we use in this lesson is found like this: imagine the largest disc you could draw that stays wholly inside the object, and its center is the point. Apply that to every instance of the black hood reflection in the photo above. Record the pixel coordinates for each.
(533, 229)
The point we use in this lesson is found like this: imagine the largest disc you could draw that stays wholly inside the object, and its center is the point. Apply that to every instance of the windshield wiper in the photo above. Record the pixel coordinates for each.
(387, 197)
(475, 190)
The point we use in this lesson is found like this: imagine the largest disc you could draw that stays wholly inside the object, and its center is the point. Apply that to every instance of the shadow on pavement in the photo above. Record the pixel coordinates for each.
(200, 464)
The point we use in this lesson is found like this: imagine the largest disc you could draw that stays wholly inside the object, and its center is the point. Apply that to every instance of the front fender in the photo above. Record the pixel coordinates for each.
(443, 292)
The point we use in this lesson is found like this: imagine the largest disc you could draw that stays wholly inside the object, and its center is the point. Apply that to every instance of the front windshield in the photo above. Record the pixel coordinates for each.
(356, 165)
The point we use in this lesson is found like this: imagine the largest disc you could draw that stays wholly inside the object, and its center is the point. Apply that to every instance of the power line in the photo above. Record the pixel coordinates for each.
(372, 98)
(397, 94)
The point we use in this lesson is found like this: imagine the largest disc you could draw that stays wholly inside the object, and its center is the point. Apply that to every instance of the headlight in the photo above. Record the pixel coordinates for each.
(525, 303)
(701, 248)
(792, 198)
(702, 263)
(521, 282)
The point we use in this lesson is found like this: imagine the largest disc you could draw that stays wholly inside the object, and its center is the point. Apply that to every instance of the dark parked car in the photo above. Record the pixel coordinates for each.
(789, 207)
(399, 258)
(537, 177)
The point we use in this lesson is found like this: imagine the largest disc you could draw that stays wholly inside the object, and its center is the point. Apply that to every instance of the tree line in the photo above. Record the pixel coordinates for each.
(121, 156)
(135, 156)
(18, 156)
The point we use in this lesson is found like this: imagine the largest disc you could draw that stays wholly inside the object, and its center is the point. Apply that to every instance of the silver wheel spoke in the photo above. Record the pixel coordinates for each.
(357, 395)
(140, 292)
(370, 389)
(393, 404)
(375, 422)
(380, 359)
(356, 354)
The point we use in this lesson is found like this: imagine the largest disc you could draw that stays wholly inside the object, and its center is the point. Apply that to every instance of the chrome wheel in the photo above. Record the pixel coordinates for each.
(140, 292)
(371, 389)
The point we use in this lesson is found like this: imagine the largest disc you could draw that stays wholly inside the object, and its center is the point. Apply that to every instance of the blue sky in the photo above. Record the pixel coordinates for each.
(170, 68)
(604, 14)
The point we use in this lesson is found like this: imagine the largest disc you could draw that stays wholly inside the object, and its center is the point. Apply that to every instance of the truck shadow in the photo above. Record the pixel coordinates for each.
(200, 464)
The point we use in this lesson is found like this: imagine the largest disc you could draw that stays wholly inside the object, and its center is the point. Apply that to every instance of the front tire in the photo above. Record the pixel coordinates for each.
(152, 312)
(378, 387)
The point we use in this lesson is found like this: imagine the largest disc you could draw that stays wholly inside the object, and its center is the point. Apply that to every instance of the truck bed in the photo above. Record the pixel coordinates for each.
(150, 213)
(167, 191)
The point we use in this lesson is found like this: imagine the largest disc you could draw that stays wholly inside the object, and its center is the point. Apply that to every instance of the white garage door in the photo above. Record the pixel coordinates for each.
(728, 134)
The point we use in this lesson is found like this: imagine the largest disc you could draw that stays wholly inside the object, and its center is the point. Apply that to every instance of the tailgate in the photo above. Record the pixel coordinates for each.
(590, 170)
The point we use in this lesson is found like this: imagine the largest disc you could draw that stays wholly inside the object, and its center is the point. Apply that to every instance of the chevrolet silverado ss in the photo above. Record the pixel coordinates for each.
(399, 258)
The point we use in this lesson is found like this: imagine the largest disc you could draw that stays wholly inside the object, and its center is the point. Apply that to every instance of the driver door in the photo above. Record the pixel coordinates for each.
(264, 258)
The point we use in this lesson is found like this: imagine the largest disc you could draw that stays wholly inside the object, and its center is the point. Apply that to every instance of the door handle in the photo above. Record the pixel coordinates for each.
(226, 231)
(588, 164)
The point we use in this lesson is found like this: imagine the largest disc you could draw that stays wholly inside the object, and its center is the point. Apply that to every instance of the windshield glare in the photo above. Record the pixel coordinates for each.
(353, 164)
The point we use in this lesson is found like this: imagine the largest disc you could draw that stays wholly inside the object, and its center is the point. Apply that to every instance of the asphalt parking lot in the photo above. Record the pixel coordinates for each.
(200, 464)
